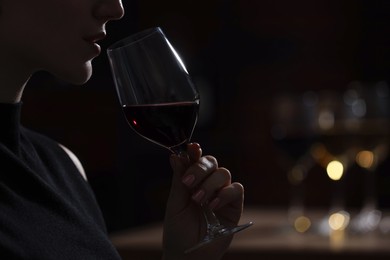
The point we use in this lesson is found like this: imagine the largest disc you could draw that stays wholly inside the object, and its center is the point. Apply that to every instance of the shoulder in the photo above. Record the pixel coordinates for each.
(75, 160)
(43, 142)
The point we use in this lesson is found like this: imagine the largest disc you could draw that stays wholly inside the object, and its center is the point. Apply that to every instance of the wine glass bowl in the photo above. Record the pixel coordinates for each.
(160, 101)
(169, 125)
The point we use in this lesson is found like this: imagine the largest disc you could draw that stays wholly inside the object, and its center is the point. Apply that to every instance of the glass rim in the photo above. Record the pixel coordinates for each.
(134, 38)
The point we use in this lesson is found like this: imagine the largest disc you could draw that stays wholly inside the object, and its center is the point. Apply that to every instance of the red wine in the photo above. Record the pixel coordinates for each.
(168, 124)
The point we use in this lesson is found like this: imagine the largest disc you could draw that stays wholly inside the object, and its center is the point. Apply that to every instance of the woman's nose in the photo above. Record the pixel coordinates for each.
(108, 10)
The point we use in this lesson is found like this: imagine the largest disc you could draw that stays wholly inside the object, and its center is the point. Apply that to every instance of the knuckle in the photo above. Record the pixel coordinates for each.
(207, 164)
(211, 160)
(225, 173)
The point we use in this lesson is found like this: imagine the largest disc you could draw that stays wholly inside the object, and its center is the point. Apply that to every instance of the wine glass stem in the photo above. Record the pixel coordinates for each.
(212, 222)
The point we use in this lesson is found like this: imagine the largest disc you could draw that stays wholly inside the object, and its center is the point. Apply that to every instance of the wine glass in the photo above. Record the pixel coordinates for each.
(160, 101)
(334, 153)
(370, 104)
(293, 135)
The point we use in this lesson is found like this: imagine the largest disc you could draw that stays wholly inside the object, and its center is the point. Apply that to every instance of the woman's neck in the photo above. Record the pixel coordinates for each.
(12, 84)
(11, 92)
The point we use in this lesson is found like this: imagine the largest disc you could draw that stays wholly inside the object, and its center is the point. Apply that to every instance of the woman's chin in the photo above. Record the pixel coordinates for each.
(77, 76)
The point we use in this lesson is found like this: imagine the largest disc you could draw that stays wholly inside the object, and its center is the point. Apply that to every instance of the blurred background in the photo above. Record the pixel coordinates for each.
(243, 55)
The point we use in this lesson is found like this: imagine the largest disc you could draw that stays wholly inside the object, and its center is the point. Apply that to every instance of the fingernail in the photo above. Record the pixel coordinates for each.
(188, 180)
(198, 196)
(213, 204)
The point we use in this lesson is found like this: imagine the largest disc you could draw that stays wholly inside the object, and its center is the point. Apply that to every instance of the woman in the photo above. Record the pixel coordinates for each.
(47, 209)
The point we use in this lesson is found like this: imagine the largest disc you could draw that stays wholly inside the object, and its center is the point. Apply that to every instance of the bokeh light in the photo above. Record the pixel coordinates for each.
(302, 224)
(339, 220)
(326, 120)
(296, 175)
(365, 159)
(335, 170)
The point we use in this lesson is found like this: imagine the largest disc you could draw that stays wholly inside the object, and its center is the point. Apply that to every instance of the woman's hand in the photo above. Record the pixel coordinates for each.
(197, 180)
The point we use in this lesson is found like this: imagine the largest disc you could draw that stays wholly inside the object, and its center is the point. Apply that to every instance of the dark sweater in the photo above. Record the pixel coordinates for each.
(47, 210)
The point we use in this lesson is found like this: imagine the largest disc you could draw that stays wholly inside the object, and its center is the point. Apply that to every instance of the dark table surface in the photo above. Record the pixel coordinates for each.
(269, 238)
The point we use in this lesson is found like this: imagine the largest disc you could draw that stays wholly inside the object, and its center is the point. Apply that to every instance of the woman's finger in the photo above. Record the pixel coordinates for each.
(212, 185)
(232, 195)
(199, 171)
(194, 152)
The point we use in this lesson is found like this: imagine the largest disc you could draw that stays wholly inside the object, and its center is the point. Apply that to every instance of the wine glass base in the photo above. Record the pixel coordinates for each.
(223, 232)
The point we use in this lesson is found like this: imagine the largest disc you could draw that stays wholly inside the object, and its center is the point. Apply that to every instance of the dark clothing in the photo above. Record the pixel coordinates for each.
(47, 210)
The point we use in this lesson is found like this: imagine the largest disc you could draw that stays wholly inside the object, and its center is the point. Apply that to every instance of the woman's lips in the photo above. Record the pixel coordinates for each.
(95, 37)
(92, 39)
